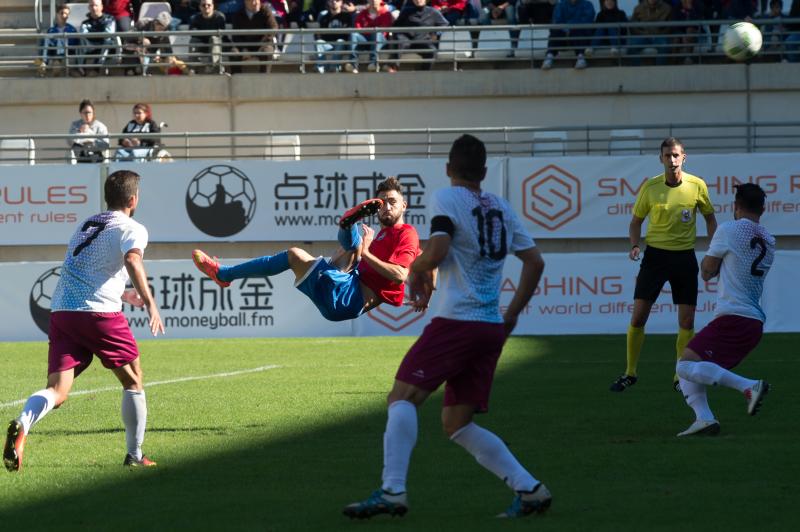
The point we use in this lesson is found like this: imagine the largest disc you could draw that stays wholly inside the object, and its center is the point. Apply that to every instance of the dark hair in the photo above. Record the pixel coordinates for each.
(148, 112)
(750, 197)
(121, 186)
(670, 142)
(390, 183)
(467, 159)
(62, 5)
(84, 104)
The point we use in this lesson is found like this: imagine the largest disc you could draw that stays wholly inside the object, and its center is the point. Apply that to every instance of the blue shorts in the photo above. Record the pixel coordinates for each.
(335, 293)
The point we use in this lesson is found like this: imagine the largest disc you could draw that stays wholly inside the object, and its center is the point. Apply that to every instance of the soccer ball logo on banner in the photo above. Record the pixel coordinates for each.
(221, 200)
(41, 296)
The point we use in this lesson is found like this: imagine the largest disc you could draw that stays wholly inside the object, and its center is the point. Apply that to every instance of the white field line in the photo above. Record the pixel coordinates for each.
(159, 383)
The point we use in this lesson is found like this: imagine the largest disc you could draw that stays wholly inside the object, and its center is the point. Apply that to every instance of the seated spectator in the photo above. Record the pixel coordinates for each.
(183, 11)
(504, 12)
(456, 12)
(92, 140)
(207, 49)
(136, 149)
(737, 9)
(650, 11)
(611, 37)
(792, 41)
(55, 51)
(535, 11)
(97, 49)
(331, 47)
(154, 49)
(774, 33)
(230, 8)
(121, 11)
(416, 14)
(573, 12)
(376, 15)
(686, 11)
(249, 48)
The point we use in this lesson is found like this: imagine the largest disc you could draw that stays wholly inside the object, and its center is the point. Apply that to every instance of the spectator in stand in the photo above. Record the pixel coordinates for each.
(774, 33)
(650, 11)
(456, 12)
(92, 142)
(136, 149)
(376, 15)
(535, 11)
(254, 16)
(208, 47)
(737, 9)
(574, 13)
(687, 11)
(97, 49)
(280, 8)
(183, 11)
(155, 48)
(121, 11)
(610, 38)
(793, 40)
(229, 8)
(417, 14)
(331, 46)
(504, 12)
(54, 48)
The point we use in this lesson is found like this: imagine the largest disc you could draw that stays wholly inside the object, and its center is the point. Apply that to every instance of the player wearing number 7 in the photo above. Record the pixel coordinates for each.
(741, 253)
(87, 319)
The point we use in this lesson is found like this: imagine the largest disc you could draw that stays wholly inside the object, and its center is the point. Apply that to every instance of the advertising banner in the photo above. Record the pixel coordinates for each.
(592, 197)
(580, 293)
(266, 200)
(41, 204)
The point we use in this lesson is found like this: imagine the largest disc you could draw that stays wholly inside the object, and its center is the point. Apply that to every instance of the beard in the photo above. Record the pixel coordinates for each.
(388, 220)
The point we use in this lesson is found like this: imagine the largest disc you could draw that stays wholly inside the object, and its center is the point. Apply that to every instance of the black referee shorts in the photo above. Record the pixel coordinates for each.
(659, 266)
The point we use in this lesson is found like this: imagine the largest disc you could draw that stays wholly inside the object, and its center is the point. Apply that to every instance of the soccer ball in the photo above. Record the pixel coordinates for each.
(742, 41)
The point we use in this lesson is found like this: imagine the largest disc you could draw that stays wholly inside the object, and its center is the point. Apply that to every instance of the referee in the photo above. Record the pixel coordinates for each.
(671, 201)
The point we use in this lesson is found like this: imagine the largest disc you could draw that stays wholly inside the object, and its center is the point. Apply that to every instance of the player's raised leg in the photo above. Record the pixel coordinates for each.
(359, 212)
(36, 407)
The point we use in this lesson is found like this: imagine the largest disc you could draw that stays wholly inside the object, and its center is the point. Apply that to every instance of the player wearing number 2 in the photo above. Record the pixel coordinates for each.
(86, 318)
(472, 231)
(670, 201)
(741, 253)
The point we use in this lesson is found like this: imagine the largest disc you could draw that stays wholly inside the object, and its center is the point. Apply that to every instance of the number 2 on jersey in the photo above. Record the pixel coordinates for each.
(757, 241)
(486, 233)
(98, 225)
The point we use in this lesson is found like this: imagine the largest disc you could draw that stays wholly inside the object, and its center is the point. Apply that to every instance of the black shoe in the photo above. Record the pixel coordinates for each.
(624, 381)
(15, 443)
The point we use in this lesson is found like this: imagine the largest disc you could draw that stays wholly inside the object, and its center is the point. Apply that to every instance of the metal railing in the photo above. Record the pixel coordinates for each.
(455, 46)
(634, 139)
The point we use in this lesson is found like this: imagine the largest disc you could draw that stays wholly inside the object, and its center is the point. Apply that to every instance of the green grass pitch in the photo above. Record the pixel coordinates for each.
(286, 448)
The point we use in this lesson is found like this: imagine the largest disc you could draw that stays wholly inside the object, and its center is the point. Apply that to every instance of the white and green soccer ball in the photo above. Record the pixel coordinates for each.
(742, 41)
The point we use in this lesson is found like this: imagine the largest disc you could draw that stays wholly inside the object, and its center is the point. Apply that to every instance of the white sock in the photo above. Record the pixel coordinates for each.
(36, 407)
(134, 415)
(696, 398)
(493, 454)
(398, 442)
(711, 374)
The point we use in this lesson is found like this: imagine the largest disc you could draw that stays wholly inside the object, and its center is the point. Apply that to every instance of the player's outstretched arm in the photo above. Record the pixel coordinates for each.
(135, 266)
(532, 268)
(709, 267)
(424, 270)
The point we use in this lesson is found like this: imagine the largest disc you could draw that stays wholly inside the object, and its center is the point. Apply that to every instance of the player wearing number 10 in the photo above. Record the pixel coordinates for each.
(86, 318)
(472, 231)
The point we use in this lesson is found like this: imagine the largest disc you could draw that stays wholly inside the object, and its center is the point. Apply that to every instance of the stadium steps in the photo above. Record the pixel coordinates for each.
(17, 14)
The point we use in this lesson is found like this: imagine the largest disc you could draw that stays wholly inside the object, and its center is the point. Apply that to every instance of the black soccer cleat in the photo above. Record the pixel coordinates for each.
(360, 211)
(380, 502)
(624, 381)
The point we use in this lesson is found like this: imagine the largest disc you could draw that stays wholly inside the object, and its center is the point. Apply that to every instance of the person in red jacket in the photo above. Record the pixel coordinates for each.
(121, 11)
(376, 15)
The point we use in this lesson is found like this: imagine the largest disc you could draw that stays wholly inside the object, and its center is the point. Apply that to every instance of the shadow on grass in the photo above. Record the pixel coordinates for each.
(559, 419)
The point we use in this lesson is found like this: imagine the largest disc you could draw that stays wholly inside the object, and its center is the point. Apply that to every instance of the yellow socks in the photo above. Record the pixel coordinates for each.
(634, 348)
(684, 335)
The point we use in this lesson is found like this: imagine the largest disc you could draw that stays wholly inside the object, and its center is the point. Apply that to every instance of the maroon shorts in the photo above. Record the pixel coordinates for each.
(727, 340)
(463, 354)
(75, 336)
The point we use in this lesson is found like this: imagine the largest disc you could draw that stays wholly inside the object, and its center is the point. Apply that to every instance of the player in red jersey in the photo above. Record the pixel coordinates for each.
(366, 271)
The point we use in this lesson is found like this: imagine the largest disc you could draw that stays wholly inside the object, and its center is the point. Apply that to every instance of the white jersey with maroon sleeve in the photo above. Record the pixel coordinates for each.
(747, 251)
(93, 275)
(486, 229)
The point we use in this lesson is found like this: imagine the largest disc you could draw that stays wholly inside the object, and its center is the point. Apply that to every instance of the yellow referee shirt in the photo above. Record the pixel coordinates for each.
(672, 211)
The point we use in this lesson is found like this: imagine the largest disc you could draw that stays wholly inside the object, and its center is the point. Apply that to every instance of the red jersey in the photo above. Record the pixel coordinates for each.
(399, 245)
(383, 19)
